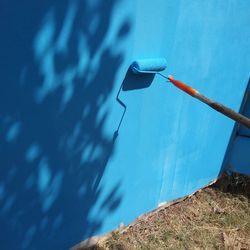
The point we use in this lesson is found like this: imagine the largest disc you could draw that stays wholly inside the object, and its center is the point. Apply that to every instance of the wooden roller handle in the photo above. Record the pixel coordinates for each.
(213, 104)
(224, 110)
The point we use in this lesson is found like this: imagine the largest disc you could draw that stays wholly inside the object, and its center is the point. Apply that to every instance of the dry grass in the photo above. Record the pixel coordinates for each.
(217, 217)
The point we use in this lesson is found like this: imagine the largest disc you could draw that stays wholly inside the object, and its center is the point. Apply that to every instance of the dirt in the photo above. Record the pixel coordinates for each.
(216, 217)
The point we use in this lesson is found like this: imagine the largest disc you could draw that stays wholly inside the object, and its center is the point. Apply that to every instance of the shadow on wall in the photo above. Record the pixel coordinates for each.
(57, 71)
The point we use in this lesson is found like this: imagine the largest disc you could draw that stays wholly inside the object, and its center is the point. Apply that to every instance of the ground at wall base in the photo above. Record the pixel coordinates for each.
(216, 217)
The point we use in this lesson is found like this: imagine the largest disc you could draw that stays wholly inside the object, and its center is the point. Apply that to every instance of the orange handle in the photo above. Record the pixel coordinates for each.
(213, 104)
(184, 87)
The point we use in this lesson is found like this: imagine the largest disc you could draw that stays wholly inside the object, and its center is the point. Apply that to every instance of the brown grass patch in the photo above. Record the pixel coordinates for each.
(217, 217)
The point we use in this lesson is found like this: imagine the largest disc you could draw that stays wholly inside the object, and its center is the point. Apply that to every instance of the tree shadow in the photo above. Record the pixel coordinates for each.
(57, 73)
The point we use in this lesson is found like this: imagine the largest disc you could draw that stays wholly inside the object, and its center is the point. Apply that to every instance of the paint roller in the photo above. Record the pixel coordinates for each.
(156, 65)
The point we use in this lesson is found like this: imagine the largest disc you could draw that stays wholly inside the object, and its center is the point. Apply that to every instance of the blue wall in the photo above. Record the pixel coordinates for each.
(237, 157)
(65, 172)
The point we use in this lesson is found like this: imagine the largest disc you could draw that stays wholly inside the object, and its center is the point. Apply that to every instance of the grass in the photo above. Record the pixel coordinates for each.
(217, 217)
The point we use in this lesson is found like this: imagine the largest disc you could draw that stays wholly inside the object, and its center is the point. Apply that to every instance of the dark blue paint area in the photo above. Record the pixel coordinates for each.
(237, 157)
(239, 160)
(54, 150)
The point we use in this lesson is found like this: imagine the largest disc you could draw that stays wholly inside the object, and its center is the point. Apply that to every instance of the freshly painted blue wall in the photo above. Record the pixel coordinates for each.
(65, 174)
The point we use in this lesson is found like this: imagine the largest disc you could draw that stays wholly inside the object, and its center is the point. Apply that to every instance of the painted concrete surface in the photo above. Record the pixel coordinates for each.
(66, 172)
(237, 158)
